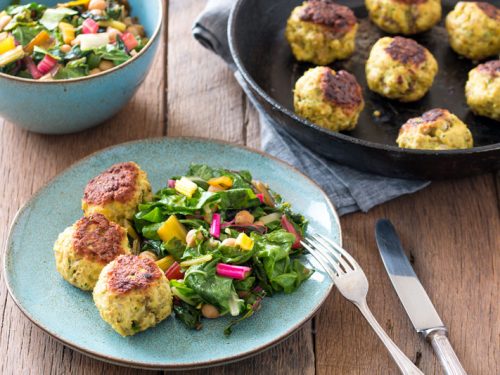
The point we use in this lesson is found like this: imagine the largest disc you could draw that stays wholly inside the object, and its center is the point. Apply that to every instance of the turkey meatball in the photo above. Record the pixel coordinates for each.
(474, 29)
(83, 249)
(400, 68)
(437, 129)
(404, 16)
(117, 192)
(132, 294)
(482, 90)
(320, 32)
(328, 98)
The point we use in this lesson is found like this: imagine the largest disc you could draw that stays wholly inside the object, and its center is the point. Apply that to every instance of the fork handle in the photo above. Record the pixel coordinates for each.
(406, 366)
(444, 351)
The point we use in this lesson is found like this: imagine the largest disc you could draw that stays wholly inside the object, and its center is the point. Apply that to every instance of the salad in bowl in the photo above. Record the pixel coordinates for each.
(71, 40)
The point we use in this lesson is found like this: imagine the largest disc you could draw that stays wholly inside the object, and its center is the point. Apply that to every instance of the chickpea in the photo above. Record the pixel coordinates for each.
(112, 32)
(3, 36)
(106, 65)
(136, 30)
(230, 242)
(243, 218)
(210, 311)
(95, 71)
(133, 53)
(97, 4)
(65, 48)
(148, 254)
(192, 236)
(258, 222)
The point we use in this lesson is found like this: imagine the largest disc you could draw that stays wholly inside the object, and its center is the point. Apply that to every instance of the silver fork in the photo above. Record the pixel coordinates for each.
(353, 285)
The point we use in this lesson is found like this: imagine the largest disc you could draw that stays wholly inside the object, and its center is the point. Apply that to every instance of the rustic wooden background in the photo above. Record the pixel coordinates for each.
(452, 230)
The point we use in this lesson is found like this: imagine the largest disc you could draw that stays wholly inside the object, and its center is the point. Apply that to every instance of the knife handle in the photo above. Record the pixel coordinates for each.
(445, 353)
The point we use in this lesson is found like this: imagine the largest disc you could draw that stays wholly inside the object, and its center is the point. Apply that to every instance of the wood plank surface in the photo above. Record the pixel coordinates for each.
(450, 229)
(451, 232)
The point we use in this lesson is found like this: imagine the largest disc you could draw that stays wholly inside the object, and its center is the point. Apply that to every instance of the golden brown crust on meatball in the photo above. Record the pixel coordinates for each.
(491, 67)
(131, 272)
(98, 239)
(437, 129)
(337, 18)
(117, 183)
(489, 9)
(427, 117)
(406, 51)
(341, 89)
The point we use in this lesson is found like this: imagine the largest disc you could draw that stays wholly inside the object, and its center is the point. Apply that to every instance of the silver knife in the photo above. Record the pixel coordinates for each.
(415, 300)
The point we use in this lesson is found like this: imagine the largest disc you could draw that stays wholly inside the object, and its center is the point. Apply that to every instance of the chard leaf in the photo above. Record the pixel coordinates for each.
(214, 289)
(52, 17)
(188, 315)
(68, 73)
(112, 53)
(24, 34)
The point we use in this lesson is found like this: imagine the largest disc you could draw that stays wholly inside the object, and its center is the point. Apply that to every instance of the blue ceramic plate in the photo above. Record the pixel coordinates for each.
(69, 314)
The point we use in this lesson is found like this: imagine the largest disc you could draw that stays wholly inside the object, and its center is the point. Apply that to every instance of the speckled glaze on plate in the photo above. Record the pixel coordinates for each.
(69, 315)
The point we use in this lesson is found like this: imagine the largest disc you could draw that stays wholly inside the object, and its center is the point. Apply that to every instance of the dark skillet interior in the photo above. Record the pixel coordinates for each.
(266, 56)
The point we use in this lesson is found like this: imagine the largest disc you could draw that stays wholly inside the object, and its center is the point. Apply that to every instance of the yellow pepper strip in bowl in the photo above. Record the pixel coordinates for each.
(67, 31)
(75, 3)
(7, 44)
(222, 182)
(40, 39)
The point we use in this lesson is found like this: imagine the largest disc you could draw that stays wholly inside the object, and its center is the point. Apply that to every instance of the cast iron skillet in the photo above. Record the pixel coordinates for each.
(263, 57)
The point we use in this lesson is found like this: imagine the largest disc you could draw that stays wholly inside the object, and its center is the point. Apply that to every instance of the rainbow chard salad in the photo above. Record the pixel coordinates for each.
(75, 39)
(224, 240)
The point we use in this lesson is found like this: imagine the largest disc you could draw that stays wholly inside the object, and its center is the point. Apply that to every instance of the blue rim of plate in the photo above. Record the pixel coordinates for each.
(160, 366)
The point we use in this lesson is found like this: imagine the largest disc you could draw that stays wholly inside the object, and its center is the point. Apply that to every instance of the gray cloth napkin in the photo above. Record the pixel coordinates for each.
(350, 190)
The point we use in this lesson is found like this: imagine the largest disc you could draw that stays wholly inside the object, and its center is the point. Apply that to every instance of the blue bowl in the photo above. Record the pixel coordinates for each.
(68, 106)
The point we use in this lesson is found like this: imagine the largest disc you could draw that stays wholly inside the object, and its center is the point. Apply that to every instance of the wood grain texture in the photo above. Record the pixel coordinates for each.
(451, 232)
(449, 229)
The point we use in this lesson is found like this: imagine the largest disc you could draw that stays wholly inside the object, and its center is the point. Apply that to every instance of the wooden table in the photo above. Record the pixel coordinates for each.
(452, 230)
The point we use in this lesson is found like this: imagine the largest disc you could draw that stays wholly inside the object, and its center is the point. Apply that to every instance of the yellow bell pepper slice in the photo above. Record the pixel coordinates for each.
(11, 56)
(40, 39)
(75, 3)
(186, 187)
(7, 44)
(120, 26)
(172, 228)
(67, 31)
(222, 182)
(165, 263)
(244, 242)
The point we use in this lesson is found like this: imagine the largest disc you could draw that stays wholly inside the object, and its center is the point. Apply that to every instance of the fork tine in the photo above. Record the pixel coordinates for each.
(337, 257)
(318, 256)
(340, 250)
(325, 259)
(326, 256)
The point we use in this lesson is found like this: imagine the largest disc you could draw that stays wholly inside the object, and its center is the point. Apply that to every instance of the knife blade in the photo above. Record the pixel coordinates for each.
(413, 296)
